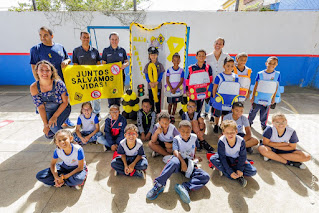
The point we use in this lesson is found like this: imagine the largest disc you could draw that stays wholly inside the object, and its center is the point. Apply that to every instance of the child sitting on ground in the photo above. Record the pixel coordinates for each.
(89, 123)
(279, 143)
(231, 158)
(198, 125)
(146, 120)
(72, 170)
(114, 129)
(162, 136)
(132, 161)
(242, 122)
(184, 146)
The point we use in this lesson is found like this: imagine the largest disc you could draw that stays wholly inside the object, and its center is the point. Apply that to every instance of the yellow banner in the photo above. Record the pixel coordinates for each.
(91, 82)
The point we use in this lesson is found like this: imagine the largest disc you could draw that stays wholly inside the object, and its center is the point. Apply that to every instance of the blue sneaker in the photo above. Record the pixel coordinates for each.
(69, 123)
(155, 191)
(139, 173)
(183, 193)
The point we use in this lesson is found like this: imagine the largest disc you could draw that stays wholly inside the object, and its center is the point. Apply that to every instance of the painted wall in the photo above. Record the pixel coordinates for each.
(293, 36)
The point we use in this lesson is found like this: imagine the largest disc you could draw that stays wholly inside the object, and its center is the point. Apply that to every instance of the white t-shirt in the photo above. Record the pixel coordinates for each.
(217, 66)
(241, 122)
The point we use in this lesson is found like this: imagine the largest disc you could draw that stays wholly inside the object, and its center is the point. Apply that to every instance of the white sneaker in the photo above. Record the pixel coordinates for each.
(220, 173)
(46, 185)
(154, 154)
(77, 187)
(166, 158)
(266, 159)
(302, 166)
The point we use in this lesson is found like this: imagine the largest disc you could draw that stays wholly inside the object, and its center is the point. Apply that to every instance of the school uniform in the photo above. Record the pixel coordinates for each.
(145, 122)
(175, 77)
(195, 67)
(168, 137)
(230, 159)
(114, 131)
(160, 71)
(221, 77)
(88, 126)
(185, 116)
(68, 164)
(198, 177)
(242, 122)
(263, 109)
(131, 154)
(289, 136)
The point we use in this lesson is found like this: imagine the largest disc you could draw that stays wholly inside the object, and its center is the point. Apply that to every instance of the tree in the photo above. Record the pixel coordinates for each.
(78, 5)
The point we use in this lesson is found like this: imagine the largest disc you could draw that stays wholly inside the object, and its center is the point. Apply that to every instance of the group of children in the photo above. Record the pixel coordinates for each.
(178, 146)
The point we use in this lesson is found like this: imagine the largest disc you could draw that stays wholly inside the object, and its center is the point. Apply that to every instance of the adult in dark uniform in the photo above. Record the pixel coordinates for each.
(87, 55)
(113, 54)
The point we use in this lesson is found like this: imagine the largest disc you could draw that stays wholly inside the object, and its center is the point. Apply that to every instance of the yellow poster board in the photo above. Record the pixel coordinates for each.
(91, 82)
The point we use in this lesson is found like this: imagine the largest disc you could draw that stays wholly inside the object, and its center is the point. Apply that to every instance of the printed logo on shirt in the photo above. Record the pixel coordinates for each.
(120, 123)
(93, 56)
(108, 55)
(193, 146)
(121, 54)
(272, 78)
(50, 56)
(239, 126)
(73, 161)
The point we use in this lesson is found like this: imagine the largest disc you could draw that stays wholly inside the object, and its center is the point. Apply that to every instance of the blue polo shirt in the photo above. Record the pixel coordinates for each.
(54, 54)
(83, 57)
(111, 55)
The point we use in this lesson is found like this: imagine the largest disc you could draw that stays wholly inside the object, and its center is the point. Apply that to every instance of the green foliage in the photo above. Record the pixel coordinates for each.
(78, 5)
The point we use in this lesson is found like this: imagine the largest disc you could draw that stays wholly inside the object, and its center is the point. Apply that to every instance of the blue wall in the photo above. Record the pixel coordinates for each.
(295, 70)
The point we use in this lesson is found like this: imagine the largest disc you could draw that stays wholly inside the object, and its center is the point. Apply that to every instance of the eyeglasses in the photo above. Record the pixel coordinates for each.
(190, 107)
(280, 123)
(131, 134)
(114, 112)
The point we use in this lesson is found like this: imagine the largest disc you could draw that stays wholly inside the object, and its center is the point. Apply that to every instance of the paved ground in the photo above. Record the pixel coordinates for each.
(275, 188)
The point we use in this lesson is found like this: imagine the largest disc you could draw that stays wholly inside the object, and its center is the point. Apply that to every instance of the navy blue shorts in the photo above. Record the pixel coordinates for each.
(174, 100)
(218, 113)
(241, 135)
(278, 151)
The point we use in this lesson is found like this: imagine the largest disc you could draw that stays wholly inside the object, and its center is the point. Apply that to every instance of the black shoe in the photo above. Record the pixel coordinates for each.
(216, 129)
(297, 164)
(200, 147)
(205, 115)
(211, 120)
(206, 146)
(249, 150)
(264, 127)
(242, 181)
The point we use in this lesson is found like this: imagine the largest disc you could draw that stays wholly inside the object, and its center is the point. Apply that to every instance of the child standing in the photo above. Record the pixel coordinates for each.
(153, 57)
(72, 170)
(146, 120)
(280, 142)
(184, 146)
(231, 159)
(132, 161)
(227, 75)
(198, 125)
(89, 122)
(174, 80)
(202, 76)
(162, 136)
(242, 122)
(114, 129)
(243, 73)
(270, 74)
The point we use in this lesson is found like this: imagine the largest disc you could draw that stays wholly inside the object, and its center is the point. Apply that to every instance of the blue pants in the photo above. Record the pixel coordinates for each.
(197, 180)
(207, 107)
(96, 104)
(249, 170)
(118, 165)
(46, 177)
(86, 133)
(50, 110)
(109, 143)
(264, 111)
